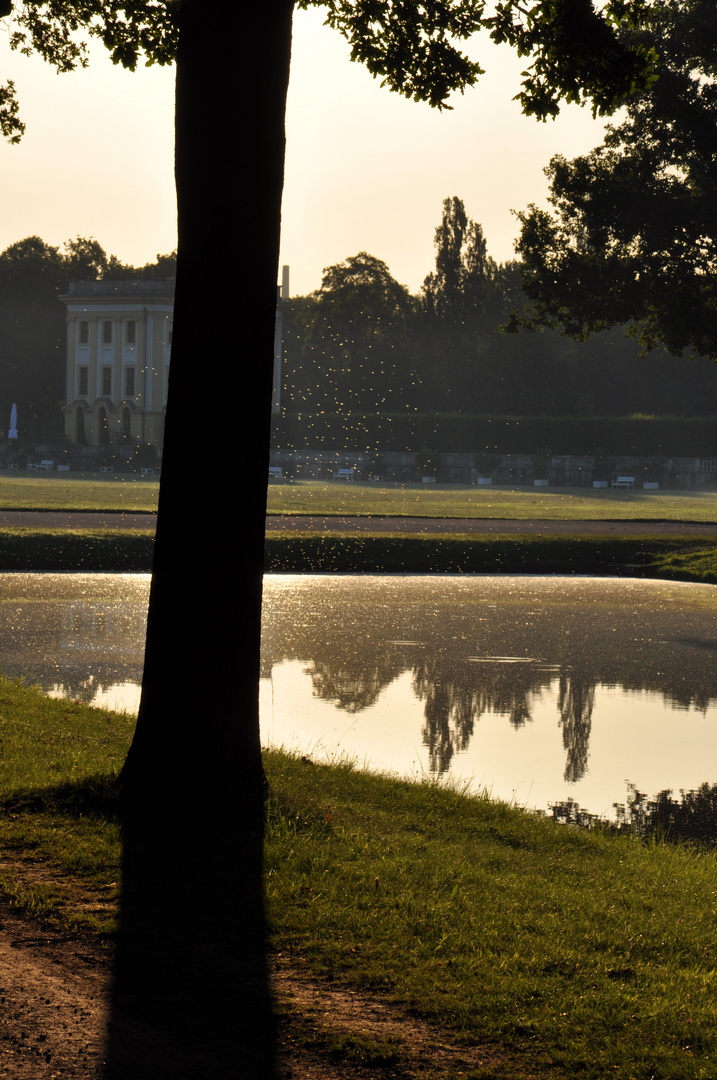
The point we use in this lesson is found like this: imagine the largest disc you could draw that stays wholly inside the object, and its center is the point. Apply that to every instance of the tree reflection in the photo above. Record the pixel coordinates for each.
(456, 700)
(576, 700)
(475, 648)
(351, 683)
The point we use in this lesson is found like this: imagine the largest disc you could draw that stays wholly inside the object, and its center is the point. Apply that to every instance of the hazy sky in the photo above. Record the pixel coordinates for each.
(366, 169)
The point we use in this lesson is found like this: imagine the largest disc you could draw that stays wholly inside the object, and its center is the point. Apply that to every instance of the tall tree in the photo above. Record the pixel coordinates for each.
(461, 284)
(350, 341)
(409, 44)
(458, 300)
(632, 234)
(194, 772)
(32, 331)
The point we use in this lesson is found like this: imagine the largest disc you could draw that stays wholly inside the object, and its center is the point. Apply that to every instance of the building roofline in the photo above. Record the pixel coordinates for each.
(120, 287)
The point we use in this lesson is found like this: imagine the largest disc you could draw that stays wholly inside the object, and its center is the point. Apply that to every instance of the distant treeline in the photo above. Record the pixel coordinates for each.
(465, 434)
(362, 344)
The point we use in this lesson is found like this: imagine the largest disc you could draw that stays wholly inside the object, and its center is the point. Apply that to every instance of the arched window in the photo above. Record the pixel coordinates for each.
(126, 422)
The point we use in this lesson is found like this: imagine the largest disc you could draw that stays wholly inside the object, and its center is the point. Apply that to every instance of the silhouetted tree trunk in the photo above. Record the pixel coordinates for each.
(191, 997)
(197, 734)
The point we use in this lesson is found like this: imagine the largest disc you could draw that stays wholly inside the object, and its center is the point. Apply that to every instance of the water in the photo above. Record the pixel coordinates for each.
(539, 689)
(76, 635)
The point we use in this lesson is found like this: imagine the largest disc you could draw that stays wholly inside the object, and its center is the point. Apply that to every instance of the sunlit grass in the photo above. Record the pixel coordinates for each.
(42, 491)
(437, 500)
(46, 741)
(595, 952)
(573, 952)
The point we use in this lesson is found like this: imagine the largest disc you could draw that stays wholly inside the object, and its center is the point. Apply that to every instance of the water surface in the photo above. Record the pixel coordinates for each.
(536, 688)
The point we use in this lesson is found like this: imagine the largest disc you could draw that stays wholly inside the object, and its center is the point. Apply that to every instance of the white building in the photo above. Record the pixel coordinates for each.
(119, 336)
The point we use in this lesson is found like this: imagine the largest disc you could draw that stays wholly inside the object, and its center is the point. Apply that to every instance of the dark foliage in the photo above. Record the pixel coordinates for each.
(632, 234)
(361, 344)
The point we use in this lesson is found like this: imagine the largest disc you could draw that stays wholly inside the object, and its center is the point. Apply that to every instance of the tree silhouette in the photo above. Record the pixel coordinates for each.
(193, 784)
(631, 238)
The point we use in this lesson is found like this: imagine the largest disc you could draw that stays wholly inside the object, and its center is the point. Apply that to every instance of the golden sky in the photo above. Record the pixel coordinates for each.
(366, 169)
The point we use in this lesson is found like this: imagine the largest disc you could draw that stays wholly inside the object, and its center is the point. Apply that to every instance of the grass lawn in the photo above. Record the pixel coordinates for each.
(75, 492)
(593, 952)
(60, 491)
(438, 500)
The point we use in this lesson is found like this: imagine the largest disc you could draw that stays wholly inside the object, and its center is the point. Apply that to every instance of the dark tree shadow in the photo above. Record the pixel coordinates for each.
(191, 995)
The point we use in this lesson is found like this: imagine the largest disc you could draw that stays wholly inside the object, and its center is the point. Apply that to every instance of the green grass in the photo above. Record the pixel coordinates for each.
(58, 764)
(686, 558)
(498, 924)
(55, 491)
(81, 550)
(417, 500)
(591, 951)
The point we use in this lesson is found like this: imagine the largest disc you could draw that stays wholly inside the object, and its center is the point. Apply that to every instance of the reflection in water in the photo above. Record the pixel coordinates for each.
(482, 647)
(76, 635)
(541, 688)
(576, 702)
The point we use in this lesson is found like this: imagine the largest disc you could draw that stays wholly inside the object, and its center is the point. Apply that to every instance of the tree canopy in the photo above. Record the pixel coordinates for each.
(575, 51)
(632, 234)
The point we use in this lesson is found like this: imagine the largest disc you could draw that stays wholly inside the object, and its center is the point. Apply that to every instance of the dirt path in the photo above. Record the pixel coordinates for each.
(306, 523)
(53, 1003)
(486, 526)
(54, 1006)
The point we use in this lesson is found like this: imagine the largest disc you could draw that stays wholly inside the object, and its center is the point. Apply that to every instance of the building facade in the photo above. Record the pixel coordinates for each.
(119, 337)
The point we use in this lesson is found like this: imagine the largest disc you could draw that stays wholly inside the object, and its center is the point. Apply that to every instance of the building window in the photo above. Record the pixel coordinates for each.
(131, 332)
(126, 423)
(84, 332)
(129, 382)
(104, 432)
(107, 332)
(80, 424)
(107, 382)
(83, 381)
(170, 327)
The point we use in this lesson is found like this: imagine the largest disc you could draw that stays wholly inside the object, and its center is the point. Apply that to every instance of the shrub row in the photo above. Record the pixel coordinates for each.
(662, 436)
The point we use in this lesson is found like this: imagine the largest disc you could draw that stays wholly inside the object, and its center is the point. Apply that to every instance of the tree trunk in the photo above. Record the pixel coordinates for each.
(191, 996)
(197, 736)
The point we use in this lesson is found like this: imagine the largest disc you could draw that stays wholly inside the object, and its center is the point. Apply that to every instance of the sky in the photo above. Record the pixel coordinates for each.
(366, 170)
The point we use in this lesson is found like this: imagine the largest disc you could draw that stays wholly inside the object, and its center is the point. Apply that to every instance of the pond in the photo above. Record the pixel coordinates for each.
(539, 689)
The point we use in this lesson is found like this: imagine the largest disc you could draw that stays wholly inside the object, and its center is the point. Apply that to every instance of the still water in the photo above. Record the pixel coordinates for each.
(539, 689)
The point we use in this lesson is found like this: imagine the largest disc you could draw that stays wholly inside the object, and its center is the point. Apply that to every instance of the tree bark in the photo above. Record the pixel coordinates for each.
(191, 996)
(197, 735)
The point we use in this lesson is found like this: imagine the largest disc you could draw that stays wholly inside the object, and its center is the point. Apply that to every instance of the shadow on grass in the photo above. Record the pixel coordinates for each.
(190, 997)
(92, 796)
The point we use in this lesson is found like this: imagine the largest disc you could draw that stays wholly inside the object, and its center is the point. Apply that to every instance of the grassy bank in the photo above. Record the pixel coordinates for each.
(568, 946)
(81, 550)
(684, 559)
(439, 500)
(577, 951)
(113, 550)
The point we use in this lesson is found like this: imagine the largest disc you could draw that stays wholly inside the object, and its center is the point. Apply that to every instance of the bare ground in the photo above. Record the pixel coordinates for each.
(54, 1008)
(486, 526)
